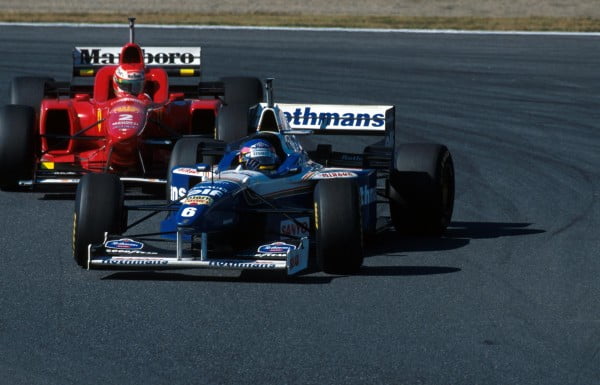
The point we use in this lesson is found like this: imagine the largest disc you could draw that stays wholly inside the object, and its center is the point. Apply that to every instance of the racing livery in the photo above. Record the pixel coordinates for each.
(263, 202)
(122, 113)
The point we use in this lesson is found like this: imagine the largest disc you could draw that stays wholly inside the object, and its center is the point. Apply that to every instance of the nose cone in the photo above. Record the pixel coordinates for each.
(190, 215)
(209, 206)
(126, 119)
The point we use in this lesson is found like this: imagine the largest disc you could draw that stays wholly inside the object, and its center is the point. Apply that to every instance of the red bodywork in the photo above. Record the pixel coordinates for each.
(129, 135)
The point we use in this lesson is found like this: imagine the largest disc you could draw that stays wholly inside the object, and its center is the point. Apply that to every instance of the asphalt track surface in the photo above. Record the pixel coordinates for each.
(511, 294)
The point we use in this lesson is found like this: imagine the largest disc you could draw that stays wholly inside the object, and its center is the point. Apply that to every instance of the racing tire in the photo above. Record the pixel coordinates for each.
(17, 147)
(28, 90)
(241, 93)
(421, 189)
(188, 152)
(99, 208)
(338, 227)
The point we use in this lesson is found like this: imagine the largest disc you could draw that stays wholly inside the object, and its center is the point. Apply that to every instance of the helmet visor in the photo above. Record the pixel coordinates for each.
(133, 87)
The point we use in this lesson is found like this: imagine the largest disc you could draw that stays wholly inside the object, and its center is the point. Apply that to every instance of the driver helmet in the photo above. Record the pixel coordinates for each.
(258, 155)
(128, 79)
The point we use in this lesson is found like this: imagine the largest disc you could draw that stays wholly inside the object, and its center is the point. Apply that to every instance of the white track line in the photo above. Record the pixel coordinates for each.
(303, 29)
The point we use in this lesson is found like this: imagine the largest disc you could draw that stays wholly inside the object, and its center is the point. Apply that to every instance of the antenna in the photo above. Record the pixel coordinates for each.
(132, 29)
(269, 87)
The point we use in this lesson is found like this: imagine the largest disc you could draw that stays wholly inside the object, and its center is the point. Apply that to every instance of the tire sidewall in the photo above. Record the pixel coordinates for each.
(29, 90)
(421, 189)
(338, 226)
(17, 144)
(98, 209)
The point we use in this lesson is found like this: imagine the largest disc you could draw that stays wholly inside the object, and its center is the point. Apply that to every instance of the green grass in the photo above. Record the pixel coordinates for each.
(583, 24)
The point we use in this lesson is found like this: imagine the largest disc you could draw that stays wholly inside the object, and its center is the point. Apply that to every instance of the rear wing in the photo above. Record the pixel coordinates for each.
(335, 119)
(342, 119)
(177, 61)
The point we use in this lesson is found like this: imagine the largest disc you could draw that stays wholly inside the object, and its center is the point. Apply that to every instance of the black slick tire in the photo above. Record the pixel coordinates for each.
(421, 189)
(188, 151)
(99, 208)
(28, 90)
(338, 232)
(17, 147)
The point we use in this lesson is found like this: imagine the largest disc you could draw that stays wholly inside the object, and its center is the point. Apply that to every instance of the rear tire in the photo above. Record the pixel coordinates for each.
(188, 151)
(17, 147)
(99, 208)
(421, 189)
(29, 91)
(241, 93)
(338, 228)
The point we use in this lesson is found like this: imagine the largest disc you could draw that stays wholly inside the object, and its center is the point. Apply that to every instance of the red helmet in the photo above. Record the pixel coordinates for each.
(128, 79)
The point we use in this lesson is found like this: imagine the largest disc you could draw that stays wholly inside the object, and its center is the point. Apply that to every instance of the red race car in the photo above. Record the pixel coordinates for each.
(121, 113)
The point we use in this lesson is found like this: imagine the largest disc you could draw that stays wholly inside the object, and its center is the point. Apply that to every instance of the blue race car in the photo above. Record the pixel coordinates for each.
(263, 202)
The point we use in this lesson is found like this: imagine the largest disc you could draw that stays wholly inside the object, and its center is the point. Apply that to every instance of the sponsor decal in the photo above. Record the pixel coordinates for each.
(133, 109)
(164, 56)
(126, 251)
(134, 261)
(276, 247)
(368, 195)
(298, 228)
(128, 244)
(194, 200)
(332, 117)
(270, 255)
(242, 265)
(191, 172)
(211, 192)
(352, 157)
(127, 101)
(185, 171)
(334, 175)
(216, 189)
(177, 193)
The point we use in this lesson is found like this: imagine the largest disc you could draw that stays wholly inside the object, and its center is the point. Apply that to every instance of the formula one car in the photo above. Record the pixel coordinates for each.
(263, 202)
(122, 113)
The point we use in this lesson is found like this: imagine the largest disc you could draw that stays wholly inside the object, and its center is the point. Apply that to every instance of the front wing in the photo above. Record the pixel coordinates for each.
(128, 254)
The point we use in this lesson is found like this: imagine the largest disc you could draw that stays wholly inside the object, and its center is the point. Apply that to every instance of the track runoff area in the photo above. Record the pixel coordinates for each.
(309, 29)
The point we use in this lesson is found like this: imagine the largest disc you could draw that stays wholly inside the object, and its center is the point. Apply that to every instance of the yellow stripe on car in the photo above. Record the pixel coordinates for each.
(99, 116)
(186, 72)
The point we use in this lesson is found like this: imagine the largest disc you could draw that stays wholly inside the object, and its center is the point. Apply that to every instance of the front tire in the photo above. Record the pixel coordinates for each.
(421, 189)
(99, 208)
(17, 147)
(188, 151)
(338, 228)
(29, 90)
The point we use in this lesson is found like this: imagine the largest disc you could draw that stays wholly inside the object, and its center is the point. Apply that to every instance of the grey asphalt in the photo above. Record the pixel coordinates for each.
(511, 294)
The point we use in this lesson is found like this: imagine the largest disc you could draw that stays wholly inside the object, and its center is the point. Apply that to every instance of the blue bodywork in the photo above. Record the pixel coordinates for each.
(244, 201)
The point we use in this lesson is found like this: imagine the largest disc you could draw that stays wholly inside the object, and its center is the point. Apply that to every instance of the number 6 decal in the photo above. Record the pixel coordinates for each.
(189, 212)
